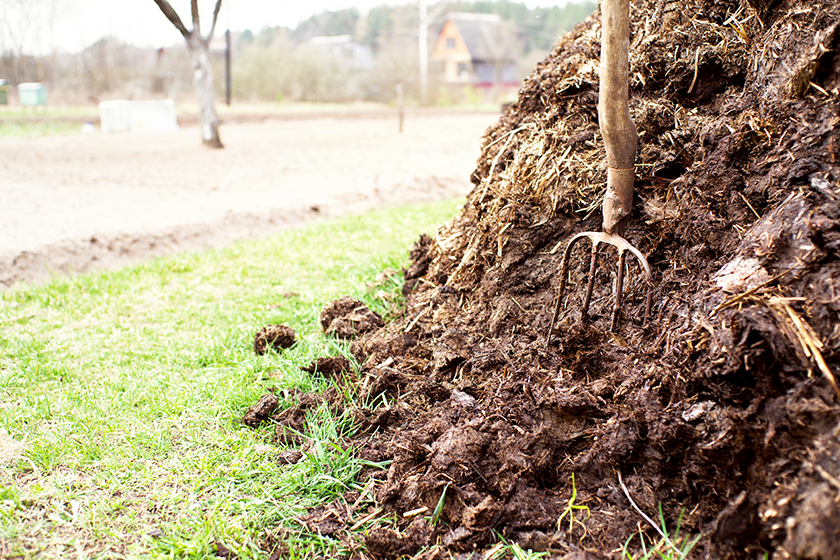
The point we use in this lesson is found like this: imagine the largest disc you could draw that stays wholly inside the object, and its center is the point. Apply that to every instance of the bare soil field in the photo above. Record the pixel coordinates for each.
(82, 202)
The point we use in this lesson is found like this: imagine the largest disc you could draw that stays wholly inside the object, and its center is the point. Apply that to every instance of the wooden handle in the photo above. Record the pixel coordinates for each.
(617, 127)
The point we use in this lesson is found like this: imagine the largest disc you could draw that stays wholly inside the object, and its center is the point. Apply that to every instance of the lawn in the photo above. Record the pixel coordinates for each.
(121, 395)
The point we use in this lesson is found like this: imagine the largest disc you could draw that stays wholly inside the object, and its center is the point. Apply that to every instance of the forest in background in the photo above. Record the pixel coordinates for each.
(282, 64)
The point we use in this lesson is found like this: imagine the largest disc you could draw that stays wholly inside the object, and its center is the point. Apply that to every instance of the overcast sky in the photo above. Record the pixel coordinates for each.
(41, 26)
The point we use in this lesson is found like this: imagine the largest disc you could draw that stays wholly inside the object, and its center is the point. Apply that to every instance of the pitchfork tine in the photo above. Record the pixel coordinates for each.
(593, 264)
(623, 247)
(619, 287)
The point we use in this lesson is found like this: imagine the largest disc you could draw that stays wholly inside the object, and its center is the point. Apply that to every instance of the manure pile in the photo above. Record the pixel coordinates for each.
(724, 409)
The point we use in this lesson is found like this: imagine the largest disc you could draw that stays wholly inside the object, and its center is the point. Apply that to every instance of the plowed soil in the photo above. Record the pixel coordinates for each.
(74, 203)
(722, 412)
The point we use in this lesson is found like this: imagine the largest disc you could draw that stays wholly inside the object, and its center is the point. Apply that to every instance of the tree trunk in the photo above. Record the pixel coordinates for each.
(204, 93)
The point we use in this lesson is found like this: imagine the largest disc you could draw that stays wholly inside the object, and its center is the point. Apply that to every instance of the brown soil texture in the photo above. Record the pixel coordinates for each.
(260, 410)
(348, 318)
(74, 203)
(330, 367)
(723, 409)
(278, 337)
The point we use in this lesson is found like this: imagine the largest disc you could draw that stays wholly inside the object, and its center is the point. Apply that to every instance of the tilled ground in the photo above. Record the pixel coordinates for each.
(74, 203)
(723, 410)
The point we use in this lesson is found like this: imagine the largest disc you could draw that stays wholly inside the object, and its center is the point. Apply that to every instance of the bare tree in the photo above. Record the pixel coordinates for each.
(199, 49)
(23, 36)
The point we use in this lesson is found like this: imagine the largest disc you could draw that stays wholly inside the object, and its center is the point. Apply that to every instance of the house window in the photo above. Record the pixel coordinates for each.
(450, 43)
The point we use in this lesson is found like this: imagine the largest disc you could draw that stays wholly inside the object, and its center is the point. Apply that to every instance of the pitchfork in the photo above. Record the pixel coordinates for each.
(620, 138)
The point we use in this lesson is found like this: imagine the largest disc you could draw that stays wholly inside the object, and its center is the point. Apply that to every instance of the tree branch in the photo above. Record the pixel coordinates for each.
(215, 19)
(195, 18)
(172, 16)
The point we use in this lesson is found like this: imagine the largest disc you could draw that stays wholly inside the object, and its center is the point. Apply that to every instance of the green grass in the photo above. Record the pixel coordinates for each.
(49, 111)
(669, 547)
(49, 121)
(38, 127)
(45, 121)
(121, 393)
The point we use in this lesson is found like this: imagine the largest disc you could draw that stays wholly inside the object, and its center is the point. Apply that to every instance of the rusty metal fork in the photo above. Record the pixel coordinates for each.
(620, 139)
(623, 247)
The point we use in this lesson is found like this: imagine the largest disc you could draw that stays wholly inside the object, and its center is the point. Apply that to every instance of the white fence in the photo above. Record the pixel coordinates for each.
(138, 116)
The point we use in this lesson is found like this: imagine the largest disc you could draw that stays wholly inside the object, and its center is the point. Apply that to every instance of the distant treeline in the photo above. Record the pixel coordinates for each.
(537, 28)
(300, 71)
(279, 63)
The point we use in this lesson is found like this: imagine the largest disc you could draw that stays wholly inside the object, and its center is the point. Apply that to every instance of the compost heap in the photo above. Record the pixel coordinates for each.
(723, 409)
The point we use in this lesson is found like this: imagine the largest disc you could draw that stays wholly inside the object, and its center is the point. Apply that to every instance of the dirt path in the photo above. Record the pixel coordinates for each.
(77, 203)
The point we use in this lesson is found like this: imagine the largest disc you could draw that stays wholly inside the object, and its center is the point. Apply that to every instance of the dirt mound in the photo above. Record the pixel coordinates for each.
(278, 337)
(348, 317)
(723, 412)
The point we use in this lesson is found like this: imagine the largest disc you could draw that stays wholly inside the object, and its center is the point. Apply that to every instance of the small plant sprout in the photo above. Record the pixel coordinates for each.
(668, 548)
(503, 549)
(439, 506)
(521, 554)
(571, 508)
(673, 548)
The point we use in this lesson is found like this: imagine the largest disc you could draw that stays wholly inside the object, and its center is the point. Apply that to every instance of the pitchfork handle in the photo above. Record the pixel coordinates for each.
(617, 127)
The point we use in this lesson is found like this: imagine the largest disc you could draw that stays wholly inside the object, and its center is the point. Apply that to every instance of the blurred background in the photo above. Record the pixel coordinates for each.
(335, 51)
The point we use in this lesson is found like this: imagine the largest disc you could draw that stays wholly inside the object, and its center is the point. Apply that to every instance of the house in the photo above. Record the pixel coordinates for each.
(351, 66)
(345, 51)
(476, 50)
